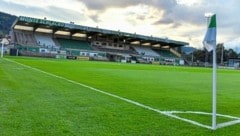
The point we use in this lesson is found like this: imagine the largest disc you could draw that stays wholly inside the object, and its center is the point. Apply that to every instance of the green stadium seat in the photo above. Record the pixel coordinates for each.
(166, 53)
(74, 44)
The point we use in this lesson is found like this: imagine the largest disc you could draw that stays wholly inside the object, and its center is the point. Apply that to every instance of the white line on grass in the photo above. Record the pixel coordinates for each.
(230, 123)
(167, 113)
(221, 125)
(203, 113)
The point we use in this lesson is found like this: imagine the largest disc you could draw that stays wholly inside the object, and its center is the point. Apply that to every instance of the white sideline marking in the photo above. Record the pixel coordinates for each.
(166, 113)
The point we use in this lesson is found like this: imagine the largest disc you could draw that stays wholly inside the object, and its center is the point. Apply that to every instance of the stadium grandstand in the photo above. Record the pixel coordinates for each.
(47, 38)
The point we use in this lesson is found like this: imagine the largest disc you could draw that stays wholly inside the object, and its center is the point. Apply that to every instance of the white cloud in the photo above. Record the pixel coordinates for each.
(132, 19)
(73, 5)
(175, 19)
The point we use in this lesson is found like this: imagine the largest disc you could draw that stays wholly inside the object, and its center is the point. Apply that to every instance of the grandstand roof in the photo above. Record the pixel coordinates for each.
(33, 24)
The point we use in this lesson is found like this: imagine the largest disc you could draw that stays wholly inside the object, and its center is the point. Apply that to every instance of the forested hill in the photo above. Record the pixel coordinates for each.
(6, 21)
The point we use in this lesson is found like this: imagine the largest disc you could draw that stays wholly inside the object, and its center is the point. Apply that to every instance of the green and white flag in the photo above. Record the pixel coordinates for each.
(209, 41)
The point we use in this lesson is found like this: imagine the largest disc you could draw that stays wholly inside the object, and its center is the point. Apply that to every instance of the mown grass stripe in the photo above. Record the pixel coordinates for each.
(167, 113)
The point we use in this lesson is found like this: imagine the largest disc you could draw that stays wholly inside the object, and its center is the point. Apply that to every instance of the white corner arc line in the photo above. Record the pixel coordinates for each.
(221, 125)
(203, 113)
(230, 123)
(166, 113)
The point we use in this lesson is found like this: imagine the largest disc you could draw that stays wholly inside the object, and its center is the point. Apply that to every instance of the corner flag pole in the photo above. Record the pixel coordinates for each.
(210, 44)
(214, 91)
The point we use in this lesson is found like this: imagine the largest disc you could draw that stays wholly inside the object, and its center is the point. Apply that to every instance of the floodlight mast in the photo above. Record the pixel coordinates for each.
(214, 81)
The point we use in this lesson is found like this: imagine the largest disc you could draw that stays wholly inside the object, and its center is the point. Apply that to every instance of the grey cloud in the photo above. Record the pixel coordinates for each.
(104, 4)
(175, 15)
(140, 17)
(176, 25)
(95, 18)
(164, 21)
(180, 14)
(17, 9)
(63, 14)
(168, 21)
(51, 12)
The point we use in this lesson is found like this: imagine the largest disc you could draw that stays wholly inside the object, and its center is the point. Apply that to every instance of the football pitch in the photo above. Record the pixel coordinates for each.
(64, 97)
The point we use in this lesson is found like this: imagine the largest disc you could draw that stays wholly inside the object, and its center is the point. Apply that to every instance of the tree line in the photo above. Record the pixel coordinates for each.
(204, 56)
(6, 21)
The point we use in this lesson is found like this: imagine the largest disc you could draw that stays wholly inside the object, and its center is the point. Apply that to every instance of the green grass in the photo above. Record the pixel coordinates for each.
(33, 103)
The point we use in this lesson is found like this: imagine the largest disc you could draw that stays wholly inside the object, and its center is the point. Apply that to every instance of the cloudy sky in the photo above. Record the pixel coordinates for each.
(182, 20)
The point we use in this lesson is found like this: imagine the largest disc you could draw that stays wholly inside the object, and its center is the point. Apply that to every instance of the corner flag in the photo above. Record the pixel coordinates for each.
(210, 44)
(209, 41)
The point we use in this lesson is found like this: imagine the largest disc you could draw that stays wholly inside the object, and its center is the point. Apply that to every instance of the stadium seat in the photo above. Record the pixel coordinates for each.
(45, 40)
(166, 53)
(24, 38)
(145, 51)
(74, 44)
